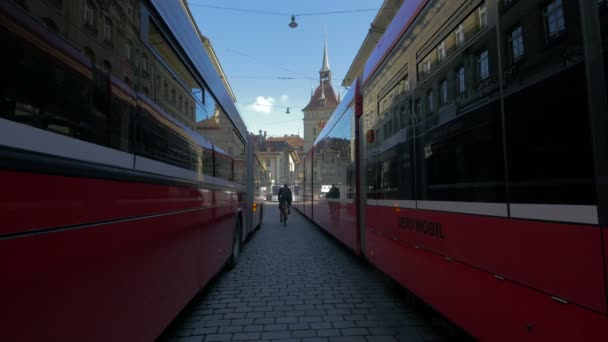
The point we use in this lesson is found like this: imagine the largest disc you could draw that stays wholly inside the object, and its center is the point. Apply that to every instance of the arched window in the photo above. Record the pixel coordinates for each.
(89, 14)
(107, 67)
(50, 24)
(129, 51)
(107, 30)
(90, 54)
(144, 64)
(23, 4)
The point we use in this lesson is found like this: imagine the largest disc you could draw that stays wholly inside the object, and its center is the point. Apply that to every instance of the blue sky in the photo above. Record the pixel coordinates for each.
(257, 51)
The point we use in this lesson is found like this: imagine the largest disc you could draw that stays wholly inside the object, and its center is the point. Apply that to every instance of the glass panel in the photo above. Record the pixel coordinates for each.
(458, 148)
(603, 14)
(546, 111)
(52, 90)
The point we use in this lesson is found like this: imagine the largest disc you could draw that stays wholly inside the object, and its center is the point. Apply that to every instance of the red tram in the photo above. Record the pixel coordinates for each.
(124, 169)
(471, 156)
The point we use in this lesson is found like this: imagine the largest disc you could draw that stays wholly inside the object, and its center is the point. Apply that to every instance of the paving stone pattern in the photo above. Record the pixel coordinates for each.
(296, 283)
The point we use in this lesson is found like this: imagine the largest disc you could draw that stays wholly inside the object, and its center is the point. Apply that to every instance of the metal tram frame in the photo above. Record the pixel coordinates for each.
(105, 243)
(510, 271)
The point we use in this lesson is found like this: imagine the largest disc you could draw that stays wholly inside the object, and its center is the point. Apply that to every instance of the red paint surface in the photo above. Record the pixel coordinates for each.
(39, 201)
(488, 308)
(338, 219)
(119, 281)
(564, 260)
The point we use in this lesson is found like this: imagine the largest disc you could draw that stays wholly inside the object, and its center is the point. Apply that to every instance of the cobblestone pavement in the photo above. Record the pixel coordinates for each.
(296, 283)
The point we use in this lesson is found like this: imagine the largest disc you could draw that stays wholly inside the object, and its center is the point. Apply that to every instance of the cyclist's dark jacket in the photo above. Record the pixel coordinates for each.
(284, 196)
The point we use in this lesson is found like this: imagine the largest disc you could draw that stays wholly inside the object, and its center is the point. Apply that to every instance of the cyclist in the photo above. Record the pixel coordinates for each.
(284, 202)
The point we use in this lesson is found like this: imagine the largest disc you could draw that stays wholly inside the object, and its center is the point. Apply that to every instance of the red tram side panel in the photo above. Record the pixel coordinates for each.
(540, 255)
(471, 196)
(115, 211)
(491, 309)
(475, 201)
(331, 165)
(132, 276)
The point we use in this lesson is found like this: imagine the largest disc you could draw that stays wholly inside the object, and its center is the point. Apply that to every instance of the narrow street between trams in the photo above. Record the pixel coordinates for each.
(295, 283)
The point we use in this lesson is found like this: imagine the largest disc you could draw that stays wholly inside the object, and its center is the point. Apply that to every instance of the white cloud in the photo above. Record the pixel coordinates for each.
(262, 104)
(284, 98)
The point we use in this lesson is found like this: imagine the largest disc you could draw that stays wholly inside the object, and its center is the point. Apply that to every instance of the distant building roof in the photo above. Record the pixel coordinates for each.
(211, 122)
(261, 145)
(294, 141)
(329, 100)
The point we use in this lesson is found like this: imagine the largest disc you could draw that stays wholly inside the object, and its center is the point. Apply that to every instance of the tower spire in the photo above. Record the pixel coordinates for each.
(325, 66)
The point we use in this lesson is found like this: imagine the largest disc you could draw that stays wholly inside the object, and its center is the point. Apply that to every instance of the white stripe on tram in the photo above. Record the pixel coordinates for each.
(556, 212)
(20, 136)
(159, 168)
(478, 208)
(397, 203)
(546, 212)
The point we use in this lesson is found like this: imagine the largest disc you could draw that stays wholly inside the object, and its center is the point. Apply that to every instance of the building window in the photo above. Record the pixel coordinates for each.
(482, 13)
(50, 24)
(166, 90)
(89, 14)
(58, 4)
(554, 19)
(460, 85)
(444, 92)
(417, 107)
(129, 51)
(179, 102)
(516, 43)
(106, 67)
(144, 63)
(107, 30)
(459, 33)
(429, 101)
(314, 130)
(173, 96)
(441, 51)
(426, 66)
(483, 65)
(88, 52)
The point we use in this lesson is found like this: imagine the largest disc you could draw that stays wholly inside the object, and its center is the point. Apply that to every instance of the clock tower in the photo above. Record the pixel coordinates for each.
(323, 101)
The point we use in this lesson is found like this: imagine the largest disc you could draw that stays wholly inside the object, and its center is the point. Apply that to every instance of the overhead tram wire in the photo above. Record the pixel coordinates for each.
(237, 9)
(282, 14)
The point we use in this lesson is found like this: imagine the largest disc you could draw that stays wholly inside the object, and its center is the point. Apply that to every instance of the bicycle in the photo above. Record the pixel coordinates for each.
(284, 213)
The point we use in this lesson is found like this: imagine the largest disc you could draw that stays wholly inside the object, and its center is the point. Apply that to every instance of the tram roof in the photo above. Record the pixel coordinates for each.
(401, 23)
(179, 21)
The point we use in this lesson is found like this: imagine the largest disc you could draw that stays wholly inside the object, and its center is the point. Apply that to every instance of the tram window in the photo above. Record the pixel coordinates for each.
(157, 141)
(549, 151)
(208, 162)
(223, 166)
(61, 100)
(462, 160)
